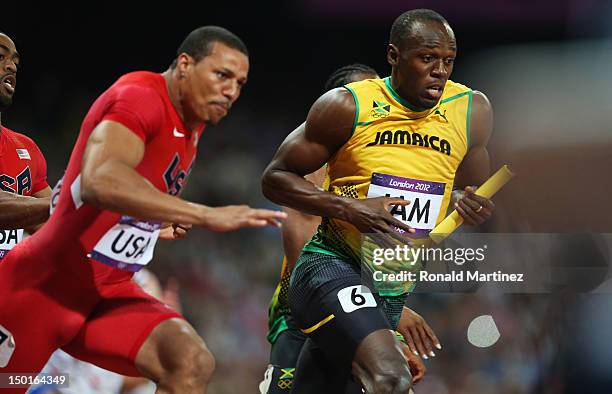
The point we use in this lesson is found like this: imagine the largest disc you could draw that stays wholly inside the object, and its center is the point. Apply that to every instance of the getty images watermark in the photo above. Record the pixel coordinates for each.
(412, 255)
(404, 263)
(517, 263)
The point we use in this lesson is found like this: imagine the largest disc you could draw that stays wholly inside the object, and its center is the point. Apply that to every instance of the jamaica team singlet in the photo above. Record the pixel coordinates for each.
(396, 150)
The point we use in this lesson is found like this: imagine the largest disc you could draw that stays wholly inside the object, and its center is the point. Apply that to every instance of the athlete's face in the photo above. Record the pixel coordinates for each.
(9, 60)
(212, 85)
(423, 63)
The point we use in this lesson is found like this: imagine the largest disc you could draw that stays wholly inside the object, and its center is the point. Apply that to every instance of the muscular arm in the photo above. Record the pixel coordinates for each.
(44, 194)
(110, 181)
(328, 126)
(23, 212)
(475, 167)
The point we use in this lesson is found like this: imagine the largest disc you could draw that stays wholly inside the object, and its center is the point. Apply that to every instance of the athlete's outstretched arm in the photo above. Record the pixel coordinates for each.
(475, 167)
(328, 126)
(21, 211)
(110, 181)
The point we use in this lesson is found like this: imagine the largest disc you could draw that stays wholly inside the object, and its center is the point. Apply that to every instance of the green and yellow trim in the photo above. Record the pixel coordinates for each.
(399, 99)
(459, 95)
(356, 121)
(470, 94)
(467, 118)
(278, 327)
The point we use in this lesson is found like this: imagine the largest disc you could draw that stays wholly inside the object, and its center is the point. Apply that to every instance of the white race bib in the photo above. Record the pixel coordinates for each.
(425, 199)
(8, 240)
(7, 346)
(128, 245)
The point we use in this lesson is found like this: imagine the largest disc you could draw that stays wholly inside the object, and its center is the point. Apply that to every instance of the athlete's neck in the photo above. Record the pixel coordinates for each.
(395, 85)
(174, 92)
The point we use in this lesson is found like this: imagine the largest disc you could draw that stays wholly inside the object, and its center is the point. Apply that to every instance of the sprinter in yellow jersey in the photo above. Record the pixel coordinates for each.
(284, 336)
(396, 148)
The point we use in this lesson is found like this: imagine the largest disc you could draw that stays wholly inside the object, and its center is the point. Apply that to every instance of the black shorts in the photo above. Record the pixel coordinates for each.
(331, 305)
(283, 359)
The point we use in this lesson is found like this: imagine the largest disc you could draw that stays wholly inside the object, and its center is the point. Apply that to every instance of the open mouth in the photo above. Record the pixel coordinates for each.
(434, 91)
(9, 83)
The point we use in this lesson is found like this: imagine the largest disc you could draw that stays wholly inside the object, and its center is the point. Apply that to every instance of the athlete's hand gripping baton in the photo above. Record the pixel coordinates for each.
(487, 190)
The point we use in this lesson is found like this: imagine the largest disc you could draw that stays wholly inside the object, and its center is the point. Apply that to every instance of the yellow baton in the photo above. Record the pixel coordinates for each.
(487, 190)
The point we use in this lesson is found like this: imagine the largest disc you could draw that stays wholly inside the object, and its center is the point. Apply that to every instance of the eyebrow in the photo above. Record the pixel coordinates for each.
(233, 74)
(227, 70)
(434, 46)
(15, 54)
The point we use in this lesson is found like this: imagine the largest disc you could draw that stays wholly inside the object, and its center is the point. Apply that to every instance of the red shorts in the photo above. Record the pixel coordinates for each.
(92, 311)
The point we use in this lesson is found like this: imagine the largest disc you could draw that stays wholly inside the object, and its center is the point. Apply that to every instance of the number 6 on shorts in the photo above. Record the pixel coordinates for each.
(356, 297)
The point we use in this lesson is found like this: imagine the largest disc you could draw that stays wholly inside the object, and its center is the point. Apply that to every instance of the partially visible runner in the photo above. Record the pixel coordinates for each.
(24, 192)
(22, 170)
(23, 173)
(285, 337)
(410, 138)
(69, 285)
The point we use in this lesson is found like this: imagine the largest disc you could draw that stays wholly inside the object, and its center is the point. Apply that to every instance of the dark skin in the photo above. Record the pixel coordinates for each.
(475, 167)
(299, 228)
(429, 55)
(329, 125)
(424, 60)
(9, 62)
(17, 211)
(421, 65)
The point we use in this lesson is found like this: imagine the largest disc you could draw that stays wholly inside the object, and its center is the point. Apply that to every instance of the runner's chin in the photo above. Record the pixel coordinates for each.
(216, 112)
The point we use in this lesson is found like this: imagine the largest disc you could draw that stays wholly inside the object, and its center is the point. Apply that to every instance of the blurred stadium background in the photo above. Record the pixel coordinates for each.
(545, 65)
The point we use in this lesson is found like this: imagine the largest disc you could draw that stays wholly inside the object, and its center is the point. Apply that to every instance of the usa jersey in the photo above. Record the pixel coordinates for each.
(77, 230)
(23, 171)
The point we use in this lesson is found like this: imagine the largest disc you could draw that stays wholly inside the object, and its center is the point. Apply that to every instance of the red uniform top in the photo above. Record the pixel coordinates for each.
(76, 230)
(23, 170)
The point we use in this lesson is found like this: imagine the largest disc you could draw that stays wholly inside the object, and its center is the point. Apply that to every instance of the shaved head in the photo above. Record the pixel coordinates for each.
(411, 22)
